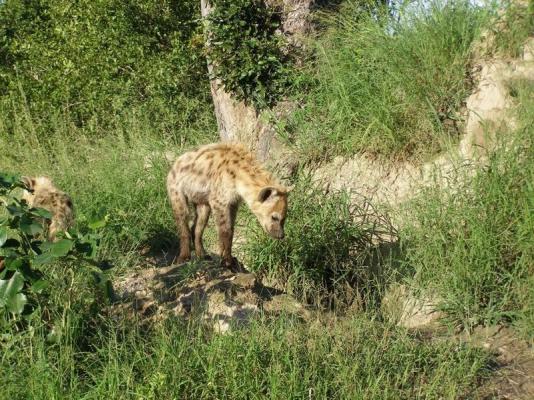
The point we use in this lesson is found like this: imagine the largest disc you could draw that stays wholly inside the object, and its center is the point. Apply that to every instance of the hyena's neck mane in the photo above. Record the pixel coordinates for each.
(251, 178)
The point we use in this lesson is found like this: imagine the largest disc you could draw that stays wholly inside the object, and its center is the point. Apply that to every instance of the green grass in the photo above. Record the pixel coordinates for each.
(331, 244)
(120, 175)
(474, 247)
(90, 355)
(283, 359)
(388, 87)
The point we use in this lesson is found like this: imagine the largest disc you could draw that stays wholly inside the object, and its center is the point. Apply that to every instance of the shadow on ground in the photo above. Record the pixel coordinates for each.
(199, 288)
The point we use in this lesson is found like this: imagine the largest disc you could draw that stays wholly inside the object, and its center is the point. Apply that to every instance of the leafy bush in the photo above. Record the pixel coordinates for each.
(93, 61)
(247, 52)
(22, 252)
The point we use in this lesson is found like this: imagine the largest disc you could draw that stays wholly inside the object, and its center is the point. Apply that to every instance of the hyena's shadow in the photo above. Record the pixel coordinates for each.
(162, 247)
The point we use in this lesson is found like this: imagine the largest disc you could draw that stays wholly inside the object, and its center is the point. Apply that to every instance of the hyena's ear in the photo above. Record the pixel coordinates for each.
(28, 181)
(265, 193)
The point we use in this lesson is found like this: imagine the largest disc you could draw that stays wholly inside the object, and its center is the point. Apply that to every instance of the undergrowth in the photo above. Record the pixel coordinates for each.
(119, 177)
(92, 63)
(328, 247)
(282, 359)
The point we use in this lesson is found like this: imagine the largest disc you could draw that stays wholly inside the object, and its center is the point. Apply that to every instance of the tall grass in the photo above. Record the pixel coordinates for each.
(391, 85)
(330, 246)
(119, 175)
(513, 25)
(475, 247)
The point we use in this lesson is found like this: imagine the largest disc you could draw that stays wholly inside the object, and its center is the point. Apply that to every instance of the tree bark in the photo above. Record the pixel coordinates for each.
(240, 122)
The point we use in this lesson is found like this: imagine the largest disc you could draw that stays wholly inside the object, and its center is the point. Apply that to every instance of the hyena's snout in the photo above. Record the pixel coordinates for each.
(277, 235)
(276, 232)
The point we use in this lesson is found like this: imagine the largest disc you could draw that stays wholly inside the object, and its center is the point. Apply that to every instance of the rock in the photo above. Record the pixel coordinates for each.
(246, 281)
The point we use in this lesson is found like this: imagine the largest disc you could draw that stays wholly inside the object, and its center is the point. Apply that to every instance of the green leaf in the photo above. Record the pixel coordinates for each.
(41, 212)
(42, 259)
(39, 286)
(15, 210)
(10, 296)
(29, 226)
(14, 264)
(61, 248)
(97, 224)
(16, 303)
(3, 235)
(8, 180)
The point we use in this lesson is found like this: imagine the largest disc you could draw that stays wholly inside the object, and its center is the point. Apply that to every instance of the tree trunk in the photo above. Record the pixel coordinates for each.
(240, 122)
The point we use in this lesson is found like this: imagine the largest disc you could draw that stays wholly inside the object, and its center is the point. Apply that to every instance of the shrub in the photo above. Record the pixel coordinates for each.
(247, 52)
(92, 61)
(327, 242)
(22, 252)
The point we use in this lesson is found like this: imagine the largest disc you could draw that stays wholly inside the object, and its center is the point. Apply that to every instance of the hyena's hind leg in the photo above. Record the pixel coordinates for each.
(203, 212)
(54, 228)
(181, 216)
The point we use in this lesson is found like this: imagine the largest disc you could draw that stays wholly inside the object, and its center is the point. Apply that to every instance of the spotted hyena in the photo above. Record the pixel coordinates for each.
(216, 178)
(43, 194)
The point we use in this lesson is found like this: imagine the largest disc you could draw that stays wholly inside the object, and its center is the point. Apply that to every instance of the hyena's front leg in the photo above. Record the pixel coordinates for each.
(225, 220)
(201, 220)
(181, 214)
(53, 229)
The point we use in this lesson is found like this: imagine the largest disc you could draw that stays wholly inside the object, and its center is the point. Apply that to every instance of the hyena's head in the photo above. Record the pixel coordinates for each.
(34, 183)
(271, 210)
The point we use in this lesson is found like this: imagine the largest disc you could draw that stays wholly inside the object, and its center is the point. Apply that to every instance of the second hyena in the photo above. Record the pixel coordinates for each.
(43, 193)
(216, 178)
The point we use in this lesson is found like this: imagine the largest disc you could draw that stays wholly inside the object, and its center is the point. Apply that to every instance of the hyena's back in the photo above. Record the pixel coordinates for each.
(213, 172)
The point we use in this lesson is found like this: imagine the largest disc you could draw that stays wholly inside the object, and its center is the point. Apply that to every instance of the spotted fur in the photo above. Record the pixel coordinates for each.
(43, 193)
(216, 178)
